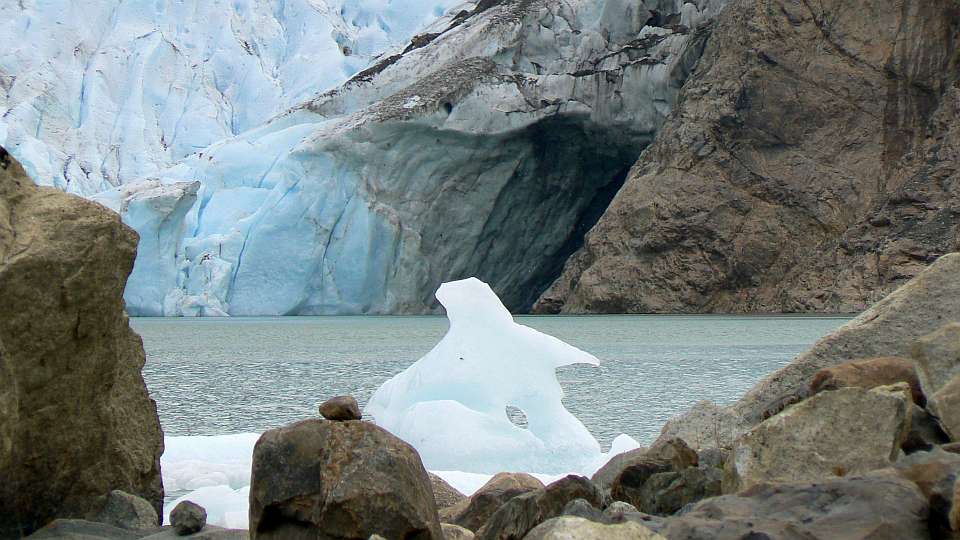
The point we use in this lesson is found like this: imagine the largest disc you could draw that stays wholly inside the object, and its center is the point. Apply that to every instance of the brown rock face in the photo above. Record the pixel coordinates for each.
(472, 513)
(76, 421)
(515, 518)
(319, 479)
(810, 166)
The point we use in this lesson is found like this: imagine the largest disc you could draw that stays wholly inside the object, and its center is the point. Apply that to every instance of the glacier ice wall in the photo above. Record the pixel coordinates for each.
(487, 146)
(96, 93)
(451, 404)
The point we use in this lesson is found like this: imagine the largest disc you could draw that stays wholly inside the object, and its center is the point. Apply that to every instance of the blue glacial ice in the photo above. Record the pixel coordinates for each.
(261, 183)
(451, 405)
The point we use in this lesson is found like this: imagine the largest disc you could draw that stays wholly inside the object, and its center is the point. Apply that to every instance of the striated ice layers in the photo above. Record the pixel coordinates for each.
(486, 147)
(451, 405)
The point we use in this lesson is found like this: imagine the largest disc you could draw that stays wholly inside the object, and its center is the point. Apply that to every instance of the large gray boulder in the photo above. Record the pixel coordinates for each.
(888, 328)
(570, 527)
(879, 506)
(832, 434)
(319, 479)
(76, 421)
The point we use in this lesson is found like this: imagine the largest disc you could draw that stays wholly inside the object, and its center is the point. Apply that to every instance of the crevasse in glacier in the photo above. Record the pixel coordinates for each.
(451, 405)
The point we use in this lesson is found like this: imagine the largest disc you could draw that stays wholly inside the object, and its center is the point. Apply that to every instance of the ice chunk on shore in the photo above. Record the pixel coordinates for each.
(451, 404)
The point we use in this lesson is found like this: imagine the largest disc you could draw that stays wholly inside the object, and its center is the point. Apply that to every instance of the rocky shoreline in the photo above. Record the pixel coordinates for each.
(857, 438)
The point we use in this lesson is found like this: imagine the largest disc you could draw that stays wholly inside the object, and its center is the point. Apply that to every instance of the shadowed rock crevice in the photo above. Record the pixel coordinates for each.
(808, 167)
(566, 170)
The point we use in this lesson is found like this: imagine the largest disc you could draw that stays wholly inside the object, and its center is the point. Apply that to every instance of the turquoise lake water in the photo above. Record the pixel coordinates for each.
(216, 376)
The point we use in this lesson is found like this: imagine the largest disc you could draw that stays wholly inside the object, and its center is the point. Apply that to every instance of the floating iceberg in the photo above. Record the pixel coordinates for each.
(451, 405)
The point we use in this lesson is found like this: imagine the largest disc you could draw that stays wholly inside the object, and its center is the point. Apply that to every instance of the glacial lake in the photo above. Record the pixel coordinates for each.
(216, 376)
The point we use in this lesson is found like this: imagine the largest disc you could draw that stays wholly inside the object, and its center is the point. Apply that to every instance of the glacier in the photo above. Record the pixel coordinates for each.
(451, 405)
(98, 93)
(343, 157)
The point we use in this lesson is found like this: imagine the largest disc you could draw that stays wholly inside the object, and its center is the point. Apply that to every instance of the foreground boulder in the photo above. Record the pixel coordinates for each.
(472, 513)
(888, 328)
(344, 480)
(188, 517)
(935, 474)
(835, 433)
(572, 527)
(76, 421)
(878, 506)
(937, 358)
(522, 513)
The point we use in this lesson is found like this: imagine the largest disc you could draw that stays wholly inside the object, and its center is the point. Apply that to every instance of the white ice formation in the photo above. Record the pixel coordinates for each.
(486, 146)
(451, 405)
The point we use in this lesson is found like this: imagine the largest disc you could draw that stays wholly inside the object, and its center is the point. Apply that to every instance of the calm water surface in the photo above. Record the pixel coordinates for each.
(216, 376)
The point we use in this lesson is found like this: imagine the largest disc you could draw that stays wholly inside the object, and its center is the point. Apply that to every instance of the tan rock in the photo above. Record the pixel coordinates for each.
(76, 421)
(937, 357)
(833, 434)
(570, 527)
(945, 405)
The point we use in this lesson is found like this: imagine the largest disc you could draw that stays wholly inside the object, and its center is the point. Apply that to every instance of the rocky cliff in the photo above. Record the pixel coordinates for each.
(75, 418)
(811, 165)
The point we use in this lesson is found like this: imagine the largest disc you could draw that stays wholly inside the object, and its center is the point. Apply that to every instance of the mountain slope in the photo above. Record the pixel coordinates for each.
(811, 165)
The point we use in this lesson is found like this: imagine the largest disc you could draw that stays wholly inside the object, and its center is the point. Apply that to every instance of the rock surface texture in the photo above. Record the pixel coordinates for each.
(889, 328)
(188, 518)
(832, 434)
(569, 527)
(128, 512)
(339, 480)
(340, 409)
(76, 420)
(810, 166)
(881, 506)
